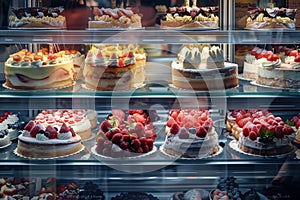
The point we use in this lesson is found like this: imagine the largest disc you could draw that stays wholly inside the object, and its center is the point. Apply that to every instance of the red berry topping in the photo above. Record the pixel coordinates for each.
(124, 145)
(29, 125)
(201, 132)
(272, 57)
(293, 53)
(252, 135)
(117, 138)
(36, 129)
(143, 141)
(105, 126)
(297, 58)
(136, 143)
(246, 131)
(150, 143)
(64, 128)
(174, 129)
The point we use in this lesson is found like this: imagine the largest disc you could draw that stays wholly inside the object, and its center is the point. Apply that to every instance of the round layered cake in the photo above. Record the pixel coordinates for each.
(201, 67)
(39, 142)
(190, 134)
(271, 18)
(30, 71)
(114, 68)
(191, 18)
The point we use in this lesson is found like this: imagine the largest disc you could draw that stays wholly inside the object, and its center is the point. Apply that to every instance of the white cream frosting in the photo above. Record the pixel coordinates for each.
(41, 137)
(64, 136)
(29, 139)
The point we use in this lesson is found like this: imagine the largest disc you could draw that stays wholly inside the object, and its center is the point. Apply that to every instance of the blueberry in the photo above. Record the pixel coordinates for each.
(47, 134)
(41, 132)
(1, 135)
(56, 128)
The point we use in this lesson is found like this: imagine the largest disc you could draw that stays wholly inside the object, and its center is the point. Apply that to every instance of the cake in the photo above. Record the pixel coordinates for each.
(92, 116)
(76, 119)
(37, 18)
(193, 194)
(187, 17)
(261, 133)
(227, 188)
(202, 67)
(9, 123)
(135, 196)
(115, 18)
(92, 191)
(4, 137)
(78, 62)
(126, 135)
(42, 143)
(114, 68)
(271, 18)
(41, 70)
(190, 134)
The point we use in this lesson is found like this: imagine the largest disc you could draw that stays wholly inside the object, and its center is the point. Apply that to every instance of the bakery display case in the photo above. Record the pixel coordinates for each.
(145, 168)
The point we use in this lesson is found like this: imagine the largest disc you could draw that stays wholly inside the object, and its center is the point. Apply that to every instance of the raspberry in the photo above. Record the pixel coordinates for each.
(124, 145)
(174, 129)
(246, 132)
(52, 131)
(100, 141)
(201, 132)
(145, 149)
(73, 132)
(126, 138)
(150, 143)
(105, 126)
(140, 150)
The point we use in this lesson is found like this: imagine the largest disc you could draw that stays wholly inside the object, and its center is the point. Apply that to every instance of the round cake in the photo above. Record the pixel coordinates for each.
(201, 67)
(77, 119)
(190, 134)
(261, 133)
(37, 18)
(4, 137)
(39, 142)
(193, 194)
(135, 196)
(115, 18)
(271, 18)
(31, 71)
(190, 18)
(126, 135)
(9, 123)
(114, 68)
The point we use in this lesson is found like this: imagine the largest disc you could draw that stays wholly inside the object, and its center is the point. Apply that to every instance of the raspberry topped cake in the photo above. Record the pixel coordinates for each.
(126, 135)
(77, 119)
(271, 18)
(115, 18)
(109, 67)
(41, 70)
(190, 134)
(190, 18)
(261, 133)
(37, 18)
(37, 141)
(202, 67)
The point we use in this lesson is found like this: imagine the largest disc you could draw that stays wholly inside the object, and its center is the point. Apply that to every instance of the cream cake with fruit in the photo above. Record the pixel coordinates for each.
(76, 119)
(37, 141)
(126, 135)
(11, 124)
(190, 134)
(202, 67)
(40, 70)
(37, 18)
(111, 67)
(115, 18)
(259, 132)
(194, 17)
(271, 18)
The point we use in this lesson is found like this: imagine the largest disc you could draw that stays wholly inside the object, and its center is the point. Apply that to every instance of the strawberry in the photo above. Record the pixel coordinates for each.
(170, 122)
(131, 112)
(124, 132)
(297, 58)
(52, 131)
(243, 121)
(133, 136)
(201, 132)
(100, 141)
(278, 132)
(126, 138)
(174, 129)
(278, 119)
(150, 143)
(252, 135)
(145, 149)
(73, 132)
(297, 124)
(124, 145)
(254, 50)
(139, 118)
(293, 53)
(34, 130)
(136, 143)
(64, 128)
(143, 141)
(105, 126)
(255, 129)
(109, 135)
(121, 62)
(287, 130)
(29, 125)
(117, 138)
(174, 114)
(272, 57)
(139, 150)
(246, 132)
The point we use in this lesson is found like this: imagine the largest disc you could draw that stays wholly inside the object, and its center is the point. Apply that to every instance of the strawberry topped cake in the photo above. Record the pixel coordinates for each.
(259, 132)
(37, 141)
(109, 67)
(190, 134)
(126, 134)
(41, 70)
(115, 18)
(76, 119)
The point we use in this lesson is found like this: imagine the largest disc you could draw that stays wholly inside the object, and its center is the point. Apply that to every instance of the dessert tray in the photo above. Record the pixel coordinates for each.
(59, 88)
(183, 158)
(240, 76)
(183, 89)
(108, 158)
(3, 147)
(129, 90)
(276, 88)
(233, 144)
(19, 155)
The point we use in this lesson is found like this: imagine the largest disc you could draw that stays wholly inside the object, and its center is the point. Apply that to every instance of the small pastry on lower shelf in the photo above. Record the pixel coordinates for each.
(135, 196)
